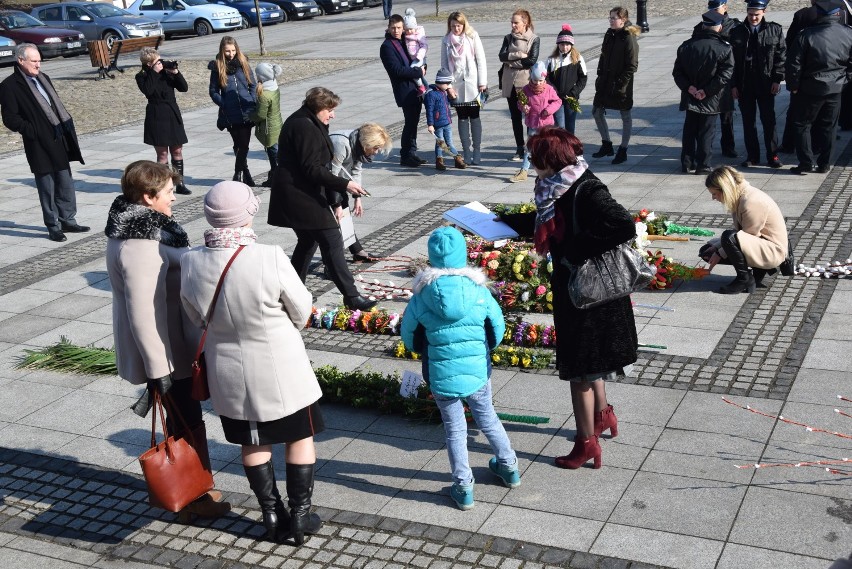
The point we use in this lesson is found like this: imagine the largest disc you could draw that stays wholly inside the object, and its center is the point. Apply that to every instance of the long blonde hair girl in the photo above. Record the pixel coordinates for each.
(730, 182)
(221, 62)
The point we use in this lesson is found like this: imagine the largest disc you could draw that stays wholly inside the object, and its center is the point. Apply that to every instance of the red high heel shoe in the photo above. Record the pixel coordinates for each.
(604, 420)
(583, 451)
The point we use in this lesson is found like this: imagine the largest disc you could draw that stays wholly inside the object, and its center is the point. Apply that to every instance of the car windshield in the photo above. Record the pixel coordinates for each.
(195, 2)
(18, 20)
(106, 11)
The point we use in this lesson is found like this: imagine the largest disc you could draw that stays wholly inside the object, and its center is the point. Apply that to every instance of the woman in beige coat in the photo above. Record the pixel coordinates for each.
(758, 243)
(518, 54)
(152, 346)
(261, 381)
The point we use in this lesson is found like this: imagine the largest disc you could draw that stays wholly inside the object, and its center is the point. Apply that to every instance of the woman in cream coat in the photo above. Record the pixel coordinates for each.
(463, 55)
(261, 381)
(153, 342)
(758, 243)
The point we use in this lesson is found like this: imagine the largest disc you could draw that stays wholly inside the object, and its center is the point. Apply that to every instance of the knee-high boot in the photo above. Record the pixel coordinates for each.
(180, 187)
(476, 131)
(241, 171)
(261, 479)
(273, 164)
(464, 136)
(744, 281)
(300, 488)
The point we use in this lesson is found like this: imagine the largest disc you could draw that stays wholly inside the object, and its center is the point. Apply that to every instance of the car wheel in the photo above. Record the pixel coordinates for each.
(286, 16)
(110, 37)
(321, 11)
(245, 22)
(203, 28)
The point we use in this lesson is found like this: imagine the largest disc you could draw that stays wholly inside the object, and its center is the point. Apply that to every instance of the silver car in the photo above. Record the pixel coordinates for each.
(98, 21)
(7, 50)
(187, 16)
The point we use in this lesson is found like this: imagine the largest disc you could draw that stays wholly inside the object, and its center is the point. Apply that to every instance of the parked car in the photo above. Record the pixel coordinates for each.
(372, 3)
(98, 21)
(332, 6)
(298, 9)
(269, 13)
(188, 16)
(51, 42)
(7, 50)
(356, 4)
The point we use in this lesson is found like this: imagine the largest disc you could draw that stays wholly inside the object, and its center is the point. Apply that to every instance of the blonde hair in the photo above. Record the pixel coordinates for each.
(148, 54)
(575, 55)
(221, 65)
(459, 17)
(372, 135)
(728, 181)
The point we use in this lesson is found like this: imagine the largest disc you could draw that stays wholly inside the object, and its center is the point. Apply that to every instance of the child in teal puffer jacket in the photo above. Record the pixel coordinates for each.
(454, 322)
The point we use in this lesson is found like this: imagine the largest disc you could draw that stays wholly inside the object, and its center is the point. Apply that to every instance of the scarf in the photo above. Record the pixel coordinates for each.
(547, 191)
(456, 59)
(229, 237)
(538, 88)
(55, 113)
(232, 66)
(271, 85)
(127, 220)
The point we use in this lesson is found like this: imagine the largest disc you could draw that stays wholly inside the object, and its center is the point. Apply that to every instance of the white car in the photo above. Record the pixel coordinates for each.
(187, 16)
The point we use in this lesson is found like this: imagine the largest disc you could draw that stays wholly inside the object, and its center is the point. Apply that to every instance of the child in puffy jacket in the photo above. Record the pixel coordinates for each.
(538, 100)
(439, 118)
(453, 322)
(416, 44)
(267, 114)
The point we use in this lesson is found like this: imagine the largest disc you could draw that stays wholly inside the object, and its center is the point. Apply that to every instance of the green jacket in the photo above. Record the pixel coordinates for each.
(267, 117)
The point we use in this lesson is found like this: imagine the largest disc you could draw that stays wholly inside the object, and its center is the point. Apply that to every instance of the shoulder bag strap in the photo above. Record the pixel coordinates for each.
(213, 302)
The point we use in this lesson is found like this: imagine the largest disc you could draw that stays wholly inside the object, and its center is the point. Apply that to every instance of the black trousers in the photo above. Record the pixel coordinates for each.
(517, 120)
(330, 243)
(411, 115)
(727, 124)
(697, 140)
(816, 124)
(845, 119)
(182, 402)
(788, 139)
(750, 105)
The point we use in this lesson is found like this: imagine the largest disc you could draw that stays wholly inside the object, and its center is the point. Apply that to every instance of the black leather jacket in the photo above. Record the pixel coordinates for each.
(706, 62)
(758, 66)
(820, 61)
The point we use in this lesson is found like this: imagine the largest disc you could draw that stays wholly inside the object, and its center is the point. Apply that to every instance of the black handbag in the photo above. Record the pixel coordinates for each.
(788, 267)
(609, 276)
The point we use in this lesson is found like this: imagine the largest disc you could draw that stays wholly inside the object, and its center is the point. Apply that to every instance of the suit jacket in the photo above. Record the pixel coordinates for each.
(46, 148)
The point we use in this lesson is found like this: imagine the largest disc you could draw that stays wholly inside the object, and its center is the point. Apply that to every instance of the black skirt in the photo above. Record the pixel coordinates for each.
(304, 423)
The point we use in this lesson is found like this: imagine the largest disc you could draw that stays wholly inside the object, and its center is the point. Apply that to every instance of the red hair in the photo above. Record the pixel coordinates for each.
(554, 148)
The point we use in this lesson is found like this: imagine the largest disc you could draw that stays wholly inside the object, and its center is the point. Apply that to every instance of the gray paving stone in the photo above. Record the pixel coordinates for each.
(657, 548)
(735, 556)
(542, 527)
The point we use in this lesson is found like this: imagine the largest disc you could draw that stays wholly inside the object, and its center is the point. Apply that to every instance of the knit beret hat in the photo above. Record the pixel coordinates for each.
(230, 204)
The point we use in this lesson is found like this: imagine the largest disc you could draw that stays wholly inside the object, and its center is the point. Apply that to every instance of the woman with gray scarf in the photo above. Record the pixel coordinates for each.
(518, 53)
(153, 343)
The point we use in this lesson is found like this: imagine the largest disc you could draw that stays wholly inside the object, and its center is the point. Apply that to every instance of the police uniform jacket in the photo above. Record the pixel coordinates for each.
(820, 61)
(758, 66)
(805, 18)
(726, 101)
(707, 62)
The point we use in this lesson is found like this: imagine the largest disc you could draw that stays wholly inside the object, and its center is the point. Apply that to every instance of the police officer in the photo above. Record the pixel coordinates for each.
(759, 52)
(704, 66)
(726, 108)
(818, 65)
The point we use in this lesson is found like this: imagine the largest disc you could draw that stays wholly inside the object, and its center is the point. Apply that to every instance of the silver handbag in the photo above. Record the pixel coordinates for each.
(611, 275)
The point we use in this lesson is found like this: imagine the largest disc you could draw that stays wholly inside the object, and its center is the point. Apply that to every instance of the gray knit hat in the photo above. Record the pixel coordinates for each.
(267, 71)
(230, 204)
(409, 21)
(444, 76)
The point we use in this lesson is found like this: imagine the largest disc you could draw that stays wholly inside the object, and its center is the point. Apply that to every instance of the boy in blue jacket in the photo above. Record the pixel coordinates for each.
(439, 118)
(457, 323)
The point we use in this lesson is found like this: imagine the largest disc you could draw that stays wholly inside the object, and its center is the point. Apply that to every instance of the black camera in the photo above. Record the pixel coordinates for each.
(169, 64)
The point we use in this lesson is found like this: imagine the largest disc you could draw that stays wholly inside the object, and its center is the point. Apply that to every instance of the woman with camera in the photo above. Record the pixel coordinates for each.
(233, 89)
(758, 243)
(164, 130)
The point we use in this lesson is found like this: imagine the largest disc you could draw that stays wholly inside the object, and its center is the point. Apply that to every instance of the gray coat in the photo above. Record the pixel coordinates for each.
(152, 336)
(256, 361)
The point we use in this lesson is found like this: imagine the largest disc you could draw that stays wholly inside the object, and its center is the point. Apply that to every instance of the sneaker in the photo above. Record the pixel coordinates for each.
(462, 495)
(519, 177)
(508, 474)
(518, 156)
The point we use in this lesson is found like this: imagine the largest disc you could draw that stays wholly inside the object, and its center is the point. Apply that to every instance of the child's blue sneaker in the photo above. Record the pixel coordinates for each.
(508, 474)
(462, 495)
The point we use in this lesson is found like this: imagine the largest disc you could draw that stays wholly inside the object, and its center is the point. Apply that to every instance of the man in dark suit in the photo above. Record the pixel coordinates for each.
(30, 106)
(397, 63)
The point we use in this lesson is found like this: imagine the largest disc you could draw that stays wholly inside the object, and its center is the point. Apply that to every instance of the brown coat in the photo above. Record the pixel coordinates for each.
(149, 326)
(762, 232)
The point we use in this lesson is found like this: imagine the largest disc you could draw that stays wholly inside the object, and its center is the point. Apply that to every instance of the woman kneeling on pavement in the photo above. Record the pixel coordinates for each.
(261, 382)
(757, 244)
(154, 342)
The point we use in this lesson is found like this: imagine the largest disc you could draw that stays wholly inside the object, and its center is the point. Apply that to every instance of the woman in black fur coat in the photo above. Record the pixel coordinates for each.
(594, 344)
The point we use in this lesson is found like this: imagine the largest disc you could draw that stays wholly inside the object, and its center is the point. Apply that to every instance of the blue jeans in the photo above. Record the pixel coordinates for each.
(387, 7)
(455, 427)
(445, 133)
(565, 118)
(526, 164)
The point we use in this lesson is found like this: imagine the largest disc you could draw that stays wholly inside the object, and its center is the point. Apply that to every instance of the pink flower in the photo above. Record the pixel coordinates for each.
(540, 290)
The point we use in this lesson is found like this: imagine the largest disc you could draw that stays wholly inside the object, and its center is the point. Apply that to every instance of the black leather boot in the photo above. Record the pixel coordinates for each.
(620, 156)
(180, 188)
(605, 150)
(241, 166)
(744, 281)
(300, 488)
(262, 482)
